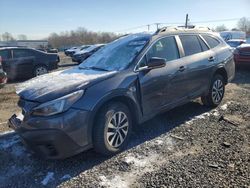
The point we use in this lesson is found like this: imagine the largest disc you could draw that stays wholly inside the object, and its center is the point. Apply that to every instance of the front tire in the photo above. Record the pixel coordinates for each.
(216, 92)
(113, 128)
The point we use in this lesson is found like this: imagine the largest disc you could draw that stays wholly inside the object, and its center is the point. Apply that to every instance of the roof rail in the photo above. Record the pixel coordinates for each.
(169, 28)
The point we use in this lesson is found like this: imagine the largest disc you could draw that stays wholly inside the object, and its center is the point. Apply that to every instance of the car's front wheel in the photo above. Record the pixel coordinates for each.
(112, 129)
(216, 92)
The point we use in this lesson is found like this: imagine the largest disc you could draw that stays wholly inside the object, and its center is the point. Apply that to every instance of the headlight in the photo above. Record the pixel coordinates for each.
(58, 105)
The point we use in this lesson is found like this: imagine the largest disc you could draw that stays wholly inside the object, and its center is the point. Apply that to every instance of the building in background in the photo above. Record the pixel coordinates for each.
(37, 44)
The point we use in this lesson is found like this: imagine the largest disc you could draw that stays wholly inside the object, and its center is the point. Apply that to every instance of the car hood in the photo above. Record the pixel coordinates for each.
(57, 84)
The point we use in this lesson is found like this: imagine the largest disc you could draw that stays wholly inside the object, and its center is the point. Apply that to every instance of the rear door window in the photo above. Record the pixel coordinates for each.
(191, 44)
(203, 44)
(5, 54)
(18, 53)
(164, 48)
(212, 42)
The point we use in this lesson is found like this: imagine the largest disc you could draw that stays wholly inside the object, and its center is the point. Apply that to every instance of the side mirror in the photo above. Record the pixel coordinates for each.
(156, 62)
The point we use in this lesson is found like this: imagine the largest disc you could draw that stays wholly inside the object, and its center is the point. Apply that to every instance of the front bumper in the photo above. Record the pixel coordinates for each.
(77, 59)
(55, 137)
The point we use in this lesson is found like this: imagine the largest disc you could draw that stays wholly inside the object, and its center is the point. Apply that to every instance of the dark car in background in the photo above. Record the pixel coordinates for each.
(68, 51)
(236, 42)
(27, 62)
(3, 76)
(80, 56)
(73, 50)
(127, 82)
(242, 55)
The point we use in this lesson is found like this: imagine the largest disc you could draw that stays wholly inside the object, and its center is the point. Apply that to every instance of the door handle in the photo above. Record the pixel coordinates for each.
(181, 68)
(211, 58)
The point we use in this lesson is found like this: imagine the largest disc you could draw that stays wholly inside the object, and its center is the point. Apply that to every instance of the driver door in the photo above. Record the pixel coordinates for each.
(154, 83)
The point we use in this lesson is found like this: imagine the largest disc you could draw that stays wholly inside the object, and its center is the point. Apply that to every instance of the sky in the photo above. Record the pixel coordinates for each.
(39, 18)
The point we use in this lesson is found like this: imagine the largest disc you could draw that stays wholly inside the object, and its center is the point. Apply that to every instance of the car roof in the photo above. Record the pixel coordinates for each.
(236, 40)
(244, 46)
(14, 47)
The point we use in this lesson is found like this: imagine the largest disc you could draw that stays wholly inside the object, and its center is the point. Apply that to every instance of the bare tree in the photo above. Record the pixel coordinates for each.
(220, 28)
(79, 37)
(22, 37)
(7, 37)
(244, 24)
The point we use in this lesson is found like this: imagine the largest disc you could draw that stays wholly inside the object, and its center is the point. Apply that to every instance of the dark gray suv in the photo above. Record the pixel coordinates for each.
(125, 83)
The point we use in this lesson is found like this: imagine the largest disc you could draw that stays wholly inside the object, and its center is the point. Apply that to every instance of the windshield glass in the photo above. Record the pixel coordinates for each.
(118, 54)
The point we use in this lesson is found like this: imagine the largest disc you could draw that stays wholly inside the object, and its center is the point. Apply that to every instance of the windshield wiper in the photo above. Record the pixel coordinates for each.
(94, 68)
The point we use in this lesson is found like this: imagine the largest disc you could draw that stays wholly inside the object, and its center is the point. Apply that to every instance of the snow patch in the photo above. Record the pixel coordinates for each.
(215, 113)
(225, 106)
(66, 177)
(6, 132)
(71, 78)
(7, 143)
(49, 177)
(202, 116)
(159, 141)
(116, 182)
(18, 150)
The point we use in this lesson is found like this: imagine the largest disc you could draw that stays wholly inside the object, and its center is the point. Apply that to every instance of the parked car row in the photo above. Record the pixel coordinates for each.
(71, 51)
(19, 62)
(235, 42)
(81, 55)
(242, 55)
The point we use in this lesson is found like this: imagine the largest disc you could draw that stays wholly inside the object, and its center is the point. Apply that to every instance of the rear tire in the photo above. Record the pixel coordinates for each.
(112, 129)
(216, 92)
(40, 70)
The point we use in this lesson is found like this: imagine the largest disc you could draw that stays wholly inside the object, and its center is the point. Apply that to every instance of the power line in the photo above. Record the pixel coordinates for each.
(175, 23)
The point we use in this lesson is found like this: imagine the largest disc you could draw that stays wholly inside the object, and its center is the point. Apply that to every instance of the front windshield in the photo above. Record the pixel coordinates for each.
(118, 54)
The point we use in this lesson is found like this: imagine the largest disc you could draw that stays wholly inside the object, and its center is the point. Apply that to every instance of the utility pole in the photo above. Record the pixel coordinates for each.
(186, 22)
(148, 27)
(157, 25)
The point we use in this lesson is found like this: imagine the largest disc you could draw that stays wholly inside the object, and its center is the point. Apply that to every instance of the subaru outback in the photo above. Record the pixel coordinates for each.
(127, 82)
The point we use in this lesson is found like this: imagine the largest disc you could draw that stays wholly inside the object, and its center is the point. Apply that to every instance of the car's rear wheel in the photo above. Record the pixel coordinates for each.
(216, 92)
(40, 70)
(112, 129)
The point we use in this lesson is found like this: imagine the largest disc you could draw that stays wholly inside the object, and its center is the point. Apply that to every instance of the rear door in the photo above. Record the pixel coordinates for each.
(24, 61)
(198, 61)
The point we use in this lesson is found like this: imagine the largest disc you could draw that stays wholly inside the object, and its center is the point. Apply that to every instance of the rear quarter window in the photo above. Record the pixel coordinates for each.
(191, 44)
(212, 42)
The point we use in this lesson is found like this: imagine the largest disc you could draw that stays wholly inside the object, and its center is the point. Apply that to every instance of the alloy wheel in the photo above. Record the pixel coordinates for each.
(117, 129)
(41, 71)
(217, 91)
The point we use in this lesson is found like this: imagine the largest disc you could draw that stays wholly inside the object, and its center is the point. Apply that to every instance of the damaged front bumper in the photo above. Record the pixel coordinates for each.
(55, 137)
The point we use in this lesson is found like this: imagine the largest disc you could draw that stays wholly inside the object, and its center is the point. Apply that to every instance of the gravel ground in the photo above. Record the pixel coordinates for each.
(185, 147)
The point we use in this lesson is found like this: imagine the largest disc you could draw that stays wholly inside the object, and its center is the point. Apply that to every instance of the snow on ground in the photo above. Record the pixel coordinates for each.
(9, 142)
(49, 177)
